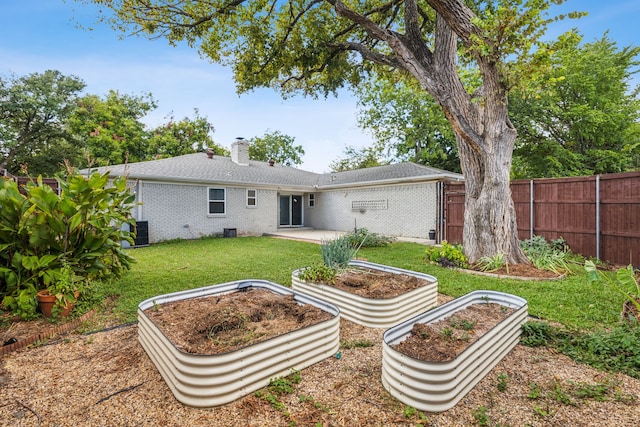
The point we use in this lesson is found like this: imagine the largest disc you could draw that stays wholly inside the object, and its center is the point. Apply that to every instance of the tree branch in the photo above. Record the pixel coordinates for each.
(458, 16)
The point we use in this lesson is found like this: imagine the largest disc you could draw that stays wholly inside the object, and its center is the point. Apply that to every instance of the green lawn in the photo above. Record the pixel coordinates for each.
(174, 266)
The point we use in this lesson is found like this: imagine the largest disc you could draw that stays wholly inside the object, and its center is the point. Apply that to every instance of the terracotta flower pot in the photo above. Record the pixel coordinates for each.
(47, 301)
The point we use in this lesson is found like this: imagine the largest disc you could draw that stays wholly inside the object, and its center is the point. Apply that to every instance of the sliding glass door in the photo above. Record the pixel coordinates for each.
(290, 210)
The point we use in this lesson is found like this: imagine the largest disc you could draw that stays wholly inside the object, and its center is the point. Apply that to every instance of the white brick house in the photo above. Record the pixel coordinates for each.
(202, 194)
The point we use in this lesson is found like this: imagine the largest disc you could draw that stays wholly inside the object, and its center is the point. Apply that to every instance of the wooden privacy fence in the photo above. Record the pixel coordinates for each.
(598, 216)
(23, 180)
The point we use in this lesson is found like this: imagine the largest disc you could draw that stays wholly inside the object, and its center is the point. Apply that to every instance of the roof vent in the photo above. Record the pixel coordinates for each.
(210, 153)
(272, 162)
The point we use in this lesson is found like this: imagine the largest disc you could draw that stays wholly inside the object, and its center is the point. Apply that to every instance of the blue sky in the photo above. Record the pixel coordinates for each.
(36, 35)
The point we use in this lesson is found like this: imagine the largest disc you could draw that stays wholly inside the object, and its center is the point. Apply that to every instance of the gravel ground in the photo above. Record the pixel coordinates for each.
(106, 379)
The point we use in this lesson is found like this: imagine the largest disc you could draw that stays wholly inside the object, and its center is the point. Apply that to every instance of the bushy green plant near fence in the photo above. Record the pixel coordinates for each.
(42, 234)
(553, 256)
(447, 255)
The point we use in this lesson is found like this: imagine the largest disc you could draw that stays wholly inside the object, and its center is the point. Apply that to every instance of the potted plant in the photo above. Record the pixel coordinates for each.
(60, 295)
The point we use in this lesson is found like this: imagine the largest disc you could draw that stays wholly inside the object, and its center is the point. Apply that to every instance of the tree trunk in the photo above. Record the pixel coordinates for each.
(489, 216)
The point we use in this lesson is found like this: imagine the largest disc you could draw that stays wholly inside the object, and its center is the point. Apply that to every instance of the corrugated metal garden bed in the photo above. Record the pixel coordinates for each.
(437, 385)
(374, 312)
(208, 380)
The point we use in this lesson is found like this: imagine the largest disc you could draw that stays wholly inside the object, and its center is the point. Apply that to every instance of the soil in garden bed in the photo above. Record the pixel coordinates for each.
(377, 284)
(223, 323)
(447, 338)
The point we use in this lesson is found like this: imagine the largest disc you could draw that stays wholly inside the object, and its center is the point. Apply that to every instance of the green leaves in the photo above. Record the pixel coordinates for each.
(625, 281)
(42, 233)
(276, 146)
(580, 115)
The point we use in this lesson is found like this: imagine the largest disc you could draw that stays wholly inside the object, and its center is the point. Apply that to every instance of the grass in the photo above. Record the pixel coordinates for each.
(179, 265)
(572, 301)
(173, 266)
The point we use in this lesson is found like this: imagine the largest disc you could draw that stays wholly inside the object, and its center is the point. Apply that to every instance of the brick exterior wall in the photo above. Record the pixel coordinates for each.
(180, 211)
(408, 210)
(411, 210)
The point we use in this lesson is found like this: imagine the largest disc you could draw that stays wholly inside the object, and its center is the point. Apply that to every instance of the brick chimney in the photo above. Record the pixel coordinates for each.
(240, 152)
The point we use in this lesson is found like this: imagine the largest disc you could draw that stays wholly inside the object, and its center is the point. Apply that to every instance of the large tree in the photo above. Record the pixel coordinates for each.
(33, 112)
(586, 120)
(110, 129)
(277, 146)
(317, 46)
(178, 137)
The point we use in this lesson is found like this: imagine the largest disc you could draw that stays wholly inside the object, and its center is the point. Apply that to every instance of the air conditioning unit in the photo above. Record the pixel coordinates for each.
(141, 230)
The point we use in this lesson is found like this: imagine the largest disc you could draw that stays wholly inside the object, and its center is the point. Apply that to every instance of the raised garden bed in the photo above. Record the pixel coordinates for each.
(375, 312)
(437, 384)
(222, 374)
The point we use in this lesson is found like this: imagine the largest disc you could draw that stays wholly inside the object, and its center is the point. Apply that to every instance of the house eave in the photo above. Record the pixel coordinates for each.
(392, 181)
(231, 183)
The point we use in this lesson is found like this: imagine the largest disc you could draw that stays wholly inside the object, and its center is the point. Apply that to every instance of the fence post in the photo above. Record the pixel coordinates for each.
(598, 216)
(531, 209)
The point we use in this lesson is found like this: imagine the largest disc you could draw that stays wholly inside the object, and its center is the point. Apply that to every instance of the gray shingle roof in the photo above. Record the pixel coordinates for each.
(198, 168)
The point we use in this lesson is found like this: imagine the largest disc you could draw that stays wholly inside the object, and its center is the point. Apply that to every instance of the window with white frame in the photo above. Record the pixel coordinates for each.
(252, 198)
(217, 201)
(312, 200)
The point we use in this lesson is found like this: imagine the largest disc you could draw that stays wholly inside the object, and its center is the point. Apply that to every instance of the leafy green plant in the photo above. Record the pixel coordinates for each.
(536, 334)
(481, 417)
(502, 382)
(464, 324)
(547, 256)
(624, 281)
(409, 411)
(361, 237)
(42, 231)
(319, 273)
(447, 255)
(447, 333)
(66, 286)
(278, 387)
(614, 350)
(492, 263)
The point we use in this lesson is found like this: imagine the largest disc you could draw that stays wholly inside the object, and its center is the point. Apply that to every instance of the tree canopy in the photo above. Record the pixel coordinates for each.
(111, 129)
(354, 158)
(277, 146)
(586, 119)
(45, 122)
(33, 112)
(178, 137)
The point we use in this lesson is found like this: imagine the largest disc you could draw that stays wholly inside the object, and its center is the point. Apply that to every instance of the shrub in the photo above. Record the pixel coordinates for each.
(494, 263)
(547, 256)
(447, 255)
(362, 237)
(42, 233)
(338, 252)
